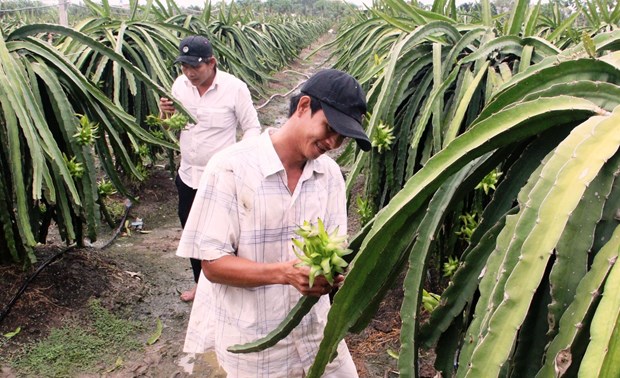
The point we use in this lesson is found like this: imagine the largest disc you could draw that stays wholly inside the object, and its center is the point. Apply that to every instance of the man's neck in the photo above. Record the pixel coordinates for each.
(202, 89)
(285, 148)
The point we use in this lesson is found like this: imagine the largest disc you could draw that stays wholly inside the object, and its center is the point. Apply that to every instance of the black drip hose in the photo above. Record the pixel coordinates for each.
(7, 308)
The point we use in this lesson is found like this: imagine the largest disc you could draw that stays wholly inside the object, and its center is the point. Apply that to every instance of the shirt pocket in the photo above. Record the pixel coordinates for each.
(218, 118)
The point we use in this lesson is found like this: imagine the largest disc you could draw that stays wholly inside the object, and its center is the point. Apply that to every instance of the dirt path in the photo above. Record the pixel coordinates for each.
(140, 276)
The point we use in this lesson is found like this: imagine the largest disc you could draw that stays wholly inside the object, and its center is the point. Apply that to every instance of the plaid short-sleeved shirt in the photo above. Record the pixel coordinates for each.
(243, 207)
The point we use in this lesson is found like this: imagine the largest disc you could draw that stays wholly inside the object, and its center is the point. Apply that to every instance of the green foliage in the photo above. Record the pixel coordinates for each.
(469, 223)
(601, 15)
(489, 181)
(383, 137)
(116, 209)
(450, 266)
(86, 132)
(175, 122)
(46, 150)
(71, 350)
(429, 300)
(558, 23)
(513, 283)
(466, 101)
(314, 8)
(76, 169)
(588, 44)
(364, 210)
(292, 320)
(105, 188)
(19, 12)
(111, 68)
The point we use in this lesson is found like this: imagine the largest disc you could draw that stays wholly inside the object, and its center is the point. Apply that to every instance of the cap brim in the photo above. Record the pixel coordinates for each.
(188, 59)
(346, 126)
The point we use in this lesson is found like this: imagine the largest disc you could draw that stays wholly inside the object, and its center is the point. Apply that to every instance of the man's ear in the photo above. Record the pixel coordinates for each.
(303, 105)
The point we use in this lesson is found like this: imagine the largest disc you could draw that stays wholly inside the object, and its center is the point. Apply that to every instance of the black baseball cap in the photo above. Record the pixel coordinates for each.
(193, 50)
(343, 102)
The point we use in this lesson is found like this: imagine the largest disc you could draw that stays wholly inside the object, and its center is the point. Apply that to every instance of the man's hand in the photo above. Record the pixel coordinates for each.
(166, 107)
(298, 277)
(241, 272)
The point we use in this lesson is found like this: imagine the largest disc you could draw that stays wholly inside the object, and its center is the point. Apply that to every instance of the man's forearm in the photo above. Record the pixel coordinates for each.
(240, 272)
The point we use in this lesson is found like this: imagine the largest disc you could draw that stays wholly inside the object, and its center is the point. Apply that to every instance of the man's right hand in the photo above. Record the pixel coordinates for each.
(241, 272)
(166, 107)
(298, 277)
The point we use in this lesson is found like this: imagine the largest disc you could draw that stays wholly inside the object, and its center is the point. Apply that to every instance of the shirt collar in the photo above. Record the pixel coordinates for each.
(270, 161)
(216, 80)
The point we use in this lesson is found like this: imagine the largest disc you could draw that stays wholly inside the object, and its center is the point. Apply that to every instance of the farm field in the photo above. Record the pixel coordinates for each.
(484, 220)
(138, 277)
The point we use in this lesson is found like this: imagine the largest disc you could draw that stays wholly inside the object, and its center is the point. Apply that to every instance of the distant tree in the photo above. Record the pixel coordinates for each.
(279, 6)
(470, 12)
(503, 6)
(330, 8)
(325, 8)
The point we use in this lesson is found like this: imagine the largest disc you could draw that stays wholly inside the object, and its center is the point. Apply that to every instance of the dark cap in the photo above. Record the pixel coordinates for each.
(343, 102)
(193, 50)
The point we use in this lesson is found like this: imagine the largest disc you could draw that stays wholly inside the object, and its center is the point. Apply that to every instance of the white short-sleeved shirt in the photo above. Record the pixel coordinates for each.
(224, 107)
(243, 207)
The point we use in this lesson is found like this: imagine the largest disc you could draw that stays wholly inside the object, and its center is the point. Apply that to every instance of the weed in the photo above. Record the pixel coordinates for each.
(489, 181)
(469, 222)
(450, 266)
(115, 208)
(430, 300)
(70, 350)
(365, 210)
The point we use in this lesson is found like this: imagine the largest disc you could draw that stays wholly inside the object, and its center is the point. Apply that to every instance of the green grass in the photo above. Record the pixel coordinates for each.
(70, 350)
(116, 208)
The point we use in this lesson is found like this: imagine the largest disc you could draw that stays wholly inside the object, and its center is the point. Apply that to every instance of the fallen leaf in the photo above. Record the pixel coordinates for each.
(119, 362)
(392, 354)
(134, 274)
(11, 334)
(155, 336)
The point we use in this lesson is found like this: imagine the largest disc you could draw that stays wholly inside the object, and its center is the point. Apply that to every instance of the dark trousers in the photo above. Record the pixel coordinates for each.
(186, 198)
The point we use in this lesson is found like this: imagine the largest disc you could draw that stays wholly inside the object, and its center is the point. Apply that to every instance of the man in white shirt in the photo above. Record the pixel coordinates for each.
(250, 200)
(221, 103)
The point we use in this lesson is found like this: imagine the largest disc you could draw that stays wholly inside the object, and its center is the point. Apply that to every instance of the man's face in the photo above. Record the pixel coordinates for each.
(319, 137)
(201, 75)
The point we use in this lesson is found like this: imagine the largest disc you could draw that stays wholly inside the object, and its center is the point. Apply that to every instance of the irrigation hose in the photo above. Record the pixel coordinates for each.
(281, 95)
(7, 308)
(292, 90)
(21, 290)
(128, 205)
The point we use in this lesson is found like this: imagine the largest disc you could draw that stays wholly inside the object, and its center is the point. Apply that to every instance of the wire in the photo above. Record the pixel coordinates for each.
(7, 308)
(285, 94)
(69, 2)
(33, 8)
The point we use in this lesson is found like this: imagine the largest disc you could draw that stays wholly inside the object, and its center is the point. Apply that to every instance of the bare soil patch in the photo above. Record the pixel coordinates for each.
(139, 277)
